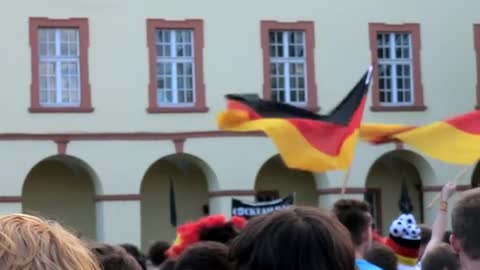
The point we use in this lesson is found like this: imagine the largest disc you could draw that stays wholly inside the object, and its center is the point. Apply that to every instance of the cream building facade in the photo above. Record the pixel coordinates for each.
(101, 111)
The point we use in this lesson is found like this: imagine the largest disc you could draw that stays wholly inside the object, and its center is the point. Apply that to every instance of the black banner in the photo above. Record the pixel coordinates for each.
(249, 209)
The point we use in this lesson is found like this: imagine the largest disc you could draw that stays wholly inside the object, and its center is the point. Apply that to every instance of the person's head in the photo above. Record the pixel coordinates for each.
(136, 254)
(441, 257)
(204, 256)
(465, 237)
(214, 228)
(28, 242)
(355, 216)
(425, 236)
(446, 237)
(296, 238)
(156, 253)
(168, 264)
(114, 258)
(382, 256)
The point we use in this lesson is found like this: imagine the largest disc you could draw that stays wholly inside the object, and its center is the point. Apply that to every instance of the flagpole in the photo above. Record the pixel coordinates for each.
(460, 174)
(345, 181)
(173, 205)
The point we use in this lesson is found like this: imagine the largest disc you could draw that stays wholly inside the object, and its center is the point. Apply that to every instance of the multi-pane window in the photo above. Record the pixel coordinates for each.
(59, 67)
(175, 67)
(288, 67)
(395, 68)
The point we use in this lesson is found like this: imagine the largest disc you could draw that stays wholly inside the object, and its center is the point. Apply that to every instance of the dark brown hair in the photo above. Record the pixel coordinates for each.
(297, 238)
(114, 258)
(355, 216)
(136, 254)
(465, 222)
(168, 264)
(441, 257)
(382, 256)
(425, 234)
(204, 256)
(156, 253)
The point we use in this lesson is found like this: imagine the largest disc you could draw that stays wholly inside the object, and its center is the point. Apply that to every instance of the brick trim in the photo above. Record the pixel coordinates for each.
(61, 146)
(85, 93)
(308, 27)
(333, 191)
(197, 27)
(476, 43)
(227, 193)
(11, 199)
(125, 136)
(414, 29)
(118, 197)
(439, 188)
(378, 206)
(179, 145)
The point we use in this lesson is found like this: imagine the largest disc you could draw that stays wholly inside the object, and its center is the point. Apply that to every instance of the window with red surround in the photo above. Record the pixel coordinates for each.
(176, 66)
(288, 63)
(59, 51)
(397, 83)
(476, 36)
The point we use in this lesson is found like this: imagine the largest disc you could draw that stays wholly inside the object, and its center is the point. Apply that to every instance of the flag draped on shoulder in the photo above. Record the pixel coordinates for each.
(305, 140)
(455, 140)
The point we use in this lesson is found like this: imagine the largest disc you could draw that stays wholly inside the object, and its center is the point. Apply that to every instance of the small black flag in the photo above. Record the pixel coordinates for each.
(173, 207)
(405, 203)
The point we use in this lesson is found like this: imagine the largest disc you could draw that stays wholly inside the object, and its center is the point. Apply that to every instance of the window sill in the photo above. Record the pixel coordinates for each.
(177, 110)
(60, 109)
(312, 108)
(412, 108)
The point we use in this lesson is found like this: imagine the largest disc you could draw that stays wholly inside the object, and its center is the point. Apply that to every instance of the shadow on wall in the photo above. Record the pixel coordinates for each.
(384, 184)
(275, 180)
(62, 189)
(476, 176)
(190, 181)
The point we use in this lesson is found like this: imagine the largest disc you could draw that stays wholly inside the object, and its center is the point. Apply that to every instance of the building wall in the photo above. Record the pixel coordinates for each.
(274, 176)
(57, 191)
(118, 68)
(119, 62)
(191, 196)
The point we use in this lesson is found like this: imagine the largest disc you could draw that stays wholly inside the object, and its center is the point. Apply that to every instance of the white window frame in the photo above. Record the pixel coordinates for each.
(58, 59)
(174, 60)
(286, 60)
(393, 62)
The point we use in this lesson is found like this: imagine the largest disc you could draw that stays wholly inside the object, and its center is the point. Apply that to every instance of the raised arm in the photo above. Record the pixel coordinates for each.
(440, 224)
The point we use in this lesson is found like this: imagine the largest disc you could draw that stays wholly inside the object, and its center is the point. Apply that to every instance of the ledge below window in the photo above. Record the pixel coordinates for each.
(312, 108)
(413, 108)
(60, 109)
(178, 110)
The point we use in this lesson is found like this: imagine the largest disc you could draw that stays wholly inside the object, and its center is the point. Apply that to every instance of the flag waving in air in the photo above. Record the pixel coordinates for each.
(455, 140)
(305, 140)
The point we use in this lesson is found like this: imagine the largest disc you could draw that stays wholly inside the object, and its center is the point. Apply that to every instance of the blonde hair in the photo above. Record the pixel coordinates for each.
(28, 242)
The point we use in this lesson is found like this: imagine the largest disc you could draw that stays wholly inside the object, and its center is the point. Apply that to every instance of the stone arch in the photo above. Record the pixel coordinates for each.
(275, 180)
(63, 188)
(191, 178)
(384, 182)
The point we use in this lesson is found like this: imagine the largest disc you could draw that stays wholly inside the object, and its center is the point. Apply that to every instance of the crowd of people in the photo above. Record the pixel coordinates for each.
(296, 238)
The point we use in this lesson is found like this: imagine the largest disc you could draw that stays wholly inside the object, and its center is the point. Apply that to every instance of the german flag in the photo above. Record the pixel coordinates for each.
(455, 140)
(305, 140)
(381, 133)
